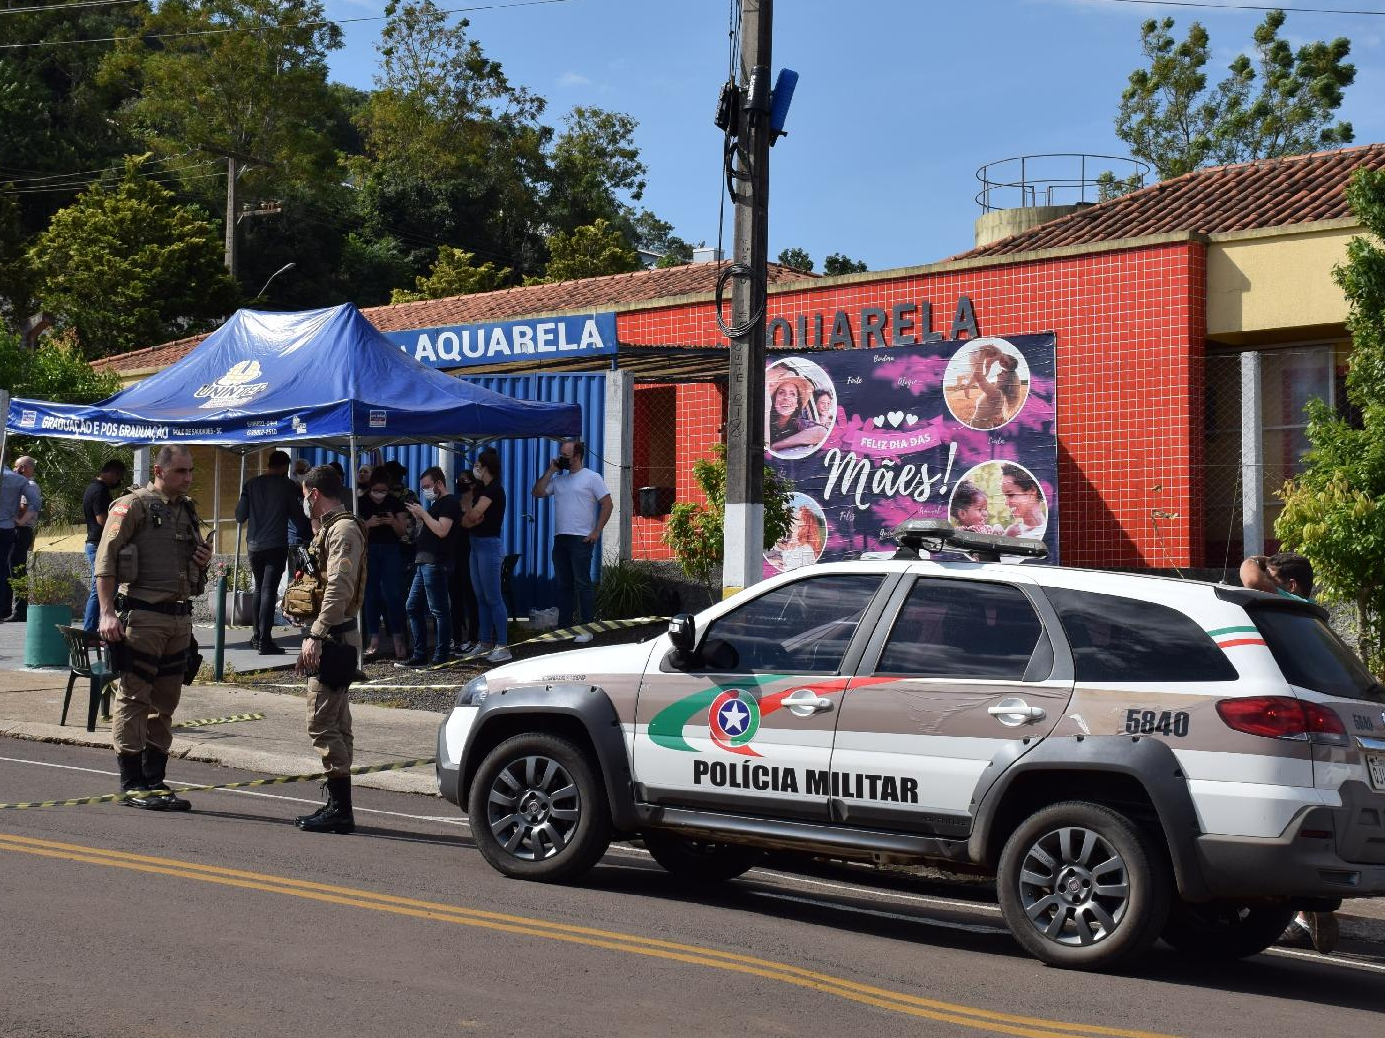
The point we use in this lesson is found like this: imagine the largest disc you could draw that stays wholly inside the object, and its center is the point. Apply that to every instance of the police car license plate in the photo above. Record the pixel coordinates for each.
(1375, 762)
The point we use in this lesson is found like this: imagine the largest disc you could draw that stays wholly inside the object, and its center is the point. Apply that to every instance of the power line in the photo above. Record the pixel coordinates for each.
(77, 187)
(92, 172)
(278, 26)
(1244, 7)
(51, 8)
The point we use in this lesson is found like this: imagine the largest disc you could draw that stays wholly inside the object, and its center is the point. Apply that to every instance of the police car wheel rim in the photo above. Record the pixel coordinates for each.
(533, 808)
(1074, 886)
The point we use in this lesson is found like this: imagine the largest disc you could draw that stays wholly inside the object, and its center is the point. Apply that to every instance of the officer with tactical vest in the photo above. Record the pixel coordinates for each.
(151, 552)
(326, 597)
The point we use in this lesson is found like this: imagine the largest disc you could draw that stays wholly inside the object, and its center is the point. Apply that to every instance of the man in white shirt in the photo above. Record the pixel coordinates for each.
(584, 505)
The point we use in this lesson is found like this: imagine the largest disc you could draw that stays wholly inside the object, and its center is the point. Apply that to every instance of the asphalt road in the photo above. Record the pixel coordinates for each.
(229, 921)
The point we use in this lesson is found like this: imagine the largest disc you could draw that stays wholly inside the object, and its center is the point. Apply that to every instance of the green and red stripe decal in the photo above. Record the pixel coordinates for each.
(1230, 637)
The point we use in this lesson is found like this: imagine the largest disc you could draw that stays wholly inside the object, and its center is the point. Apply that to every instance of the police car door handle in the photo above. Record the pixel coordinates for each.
(1013, 712)
(805, 703)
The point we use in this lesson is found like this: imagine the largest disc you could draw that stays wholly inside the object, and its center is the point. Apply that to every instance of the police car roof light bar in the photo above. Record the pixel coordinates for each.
(912, 535)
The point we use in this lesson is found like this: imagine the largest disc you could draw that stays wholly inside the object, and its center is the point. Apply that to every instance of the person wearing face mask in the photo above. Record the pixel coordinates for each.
(459, 590)
(483, 520)
(385, 518)
(432, 560)
(583, 506)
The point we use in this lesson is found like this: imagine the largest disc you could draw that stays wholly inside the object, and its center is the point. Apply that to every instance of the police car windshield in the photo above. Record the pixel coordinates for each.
(1310, 655)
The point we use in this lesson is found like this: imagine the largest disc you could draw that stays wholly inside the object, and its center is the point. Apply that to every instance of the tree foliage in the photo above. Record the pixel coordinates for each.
(796, 258)
(125, 267)
(836, 263)
(695, 531)
(455, 273)
(1334, 512)
(1280, 103)
(588, 252)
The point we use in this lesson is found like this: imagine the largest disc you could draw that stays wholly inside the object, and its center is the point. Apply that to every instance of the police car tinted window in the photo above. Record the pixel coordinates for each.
(959, 628)
(1311, 656)
(1125, 639)
(803, 627)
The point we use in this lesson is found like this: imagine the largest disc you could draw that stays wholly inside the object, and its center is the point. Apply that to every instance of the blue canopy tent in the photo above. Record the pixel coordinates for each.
(314, 378)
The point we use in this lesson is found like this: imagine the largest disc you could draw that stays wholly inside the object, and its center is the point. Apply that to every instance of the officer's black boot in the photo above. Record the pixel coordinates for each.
(336, 817)
(132, 781)
(155, 763)
(316, 814)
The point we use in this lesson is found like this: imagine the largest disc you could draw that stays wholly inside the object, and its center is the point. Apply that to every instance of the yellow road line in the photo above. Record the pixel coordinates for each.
(895, 1001)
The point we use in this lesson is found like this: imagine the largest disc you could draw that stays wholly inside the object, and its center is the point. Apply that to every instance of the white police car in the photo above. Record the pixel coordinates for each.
(1133, 756)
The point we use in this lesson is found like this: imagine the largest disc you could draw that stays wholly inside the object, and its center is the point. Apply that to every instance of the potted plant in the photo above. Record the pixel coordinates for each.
(242, 595)
(53, 587)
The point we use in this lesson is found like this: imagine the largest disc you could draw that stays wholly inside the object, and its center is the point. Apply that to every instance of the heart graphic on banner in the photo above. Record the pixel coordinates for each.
(895, 418)
(912, 419)
(879, 421)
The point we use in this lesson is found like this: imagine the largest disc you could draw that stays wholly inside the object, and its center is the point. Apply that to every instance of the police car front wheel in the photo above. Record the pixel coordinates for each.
(1083, 887)
(538, 810)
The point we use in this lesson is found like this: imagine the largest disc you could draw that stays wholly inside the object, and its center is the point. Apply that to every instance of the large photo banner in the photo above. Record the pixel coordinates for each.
(957, 429)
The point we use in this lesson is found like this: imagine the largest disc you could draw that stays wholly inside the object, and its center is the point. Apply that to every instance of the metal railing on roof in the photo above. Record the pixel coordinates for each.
(1055, 178)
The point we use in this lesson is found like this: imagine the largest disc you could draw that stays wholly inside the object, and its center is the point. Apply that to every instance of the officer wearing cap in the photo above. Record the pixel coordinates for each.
(337, 557)
(151, 553)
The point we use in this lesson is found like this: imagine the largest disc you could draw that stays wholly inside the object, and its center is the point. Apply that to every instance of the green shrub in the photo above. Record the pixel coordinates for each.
(627, 590)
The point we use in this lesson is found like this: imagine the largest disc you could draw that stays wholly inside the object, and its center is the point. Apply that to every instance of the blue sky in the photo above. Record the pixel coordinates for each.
(899, 101)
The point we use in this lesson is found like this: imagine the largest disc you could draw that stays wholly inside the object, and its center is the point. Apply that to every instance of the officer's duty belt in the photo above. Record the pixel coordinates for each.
(125, 602)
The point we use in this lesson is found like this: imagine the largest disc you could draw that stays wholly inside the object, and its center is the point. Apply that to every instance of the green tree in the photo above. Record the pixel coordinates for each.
(593, 165)
(16, 275)
(588, 252)
(57, 371)
(656, 235)
(260, 96)
(1334, 512)
(694, 530)
(836, 263)
(127, 267)
(455, 273)
(796, 258)
(1172, 119)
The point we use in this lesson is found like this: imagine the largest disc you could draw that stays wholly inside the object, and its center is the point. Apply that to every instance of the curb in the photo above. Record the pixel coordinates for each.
(258, 761)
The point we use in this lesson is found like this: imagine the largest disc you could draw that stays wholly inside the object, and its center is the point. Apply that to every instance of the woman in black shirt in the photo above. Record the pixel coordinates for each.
(385, 518)
(483, 520)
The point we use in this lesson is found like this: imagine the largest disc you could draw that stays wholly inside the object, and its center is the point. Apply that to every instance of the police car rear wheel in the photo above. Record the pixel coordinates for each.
(699, 860)
(538, 810)
(1083, 887)
(1220, 932)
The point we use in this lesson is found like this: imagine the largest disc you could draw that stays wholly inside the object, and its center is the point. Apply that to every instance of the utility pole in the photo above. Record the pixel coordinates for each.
(231, 214)
(743, 529)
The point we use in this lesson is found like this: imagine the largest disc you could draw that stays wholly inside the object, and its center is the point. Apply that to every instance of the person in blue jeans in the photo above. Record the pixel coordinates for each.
(385, 519)
(432, 564)
(484, 519)
(96, 505)
(583, 506)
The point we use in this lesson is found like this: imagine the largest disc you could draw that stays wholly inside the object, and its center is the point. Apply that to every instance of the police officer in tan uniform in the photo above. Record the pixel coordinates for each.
(153, 554)
(330, 643)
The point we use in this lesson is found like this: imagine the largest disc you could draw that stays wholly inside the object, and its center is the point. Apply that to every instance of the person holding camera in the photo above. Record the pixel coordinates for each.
(153, 553)
(584, 505)
(328, 601)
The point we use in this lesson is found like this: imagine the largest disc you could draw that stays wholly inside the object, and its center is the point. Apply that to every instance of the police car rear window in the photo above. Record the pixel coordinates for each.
(1310, 655)
(1125, 639)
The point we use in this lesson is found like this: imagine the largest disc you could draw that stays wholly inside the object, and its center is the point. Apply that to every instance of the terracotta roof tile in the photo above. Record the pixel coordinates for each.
(1268, 193)
(504, 305)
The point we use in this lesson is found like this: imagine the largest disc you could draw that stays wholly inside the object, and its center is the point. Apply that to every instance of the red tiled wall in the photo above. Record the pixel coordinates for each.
(687, 417)
(1130, 337)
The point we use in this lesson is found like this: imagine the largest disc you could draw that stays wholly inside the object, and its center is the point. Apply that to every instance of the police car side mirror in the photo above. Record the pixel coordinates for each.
(682, 632)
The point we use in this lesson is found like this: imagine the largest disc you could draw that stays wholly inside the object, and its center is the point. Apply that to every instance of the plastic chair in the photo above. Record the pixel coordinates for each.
(95, 666)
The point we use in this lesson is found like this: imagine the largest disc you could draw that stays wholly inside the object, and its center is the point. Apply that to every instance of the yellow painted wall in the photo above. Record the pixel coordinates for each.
(216, 488)
(1274, 284)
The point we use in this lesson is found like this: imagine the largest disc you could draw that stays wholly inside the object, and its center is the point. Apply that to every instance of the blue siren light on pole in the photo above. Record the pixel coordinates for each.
(780, 98)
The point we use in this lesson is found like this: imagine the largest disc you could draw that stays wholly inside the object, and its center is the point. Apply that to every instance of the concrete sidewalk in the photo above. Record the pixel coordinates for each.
(31, 704)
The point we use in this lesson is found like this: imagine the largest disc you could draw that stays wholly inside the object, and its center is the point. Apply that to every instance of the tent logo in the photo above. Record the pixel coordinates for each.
(236, 387)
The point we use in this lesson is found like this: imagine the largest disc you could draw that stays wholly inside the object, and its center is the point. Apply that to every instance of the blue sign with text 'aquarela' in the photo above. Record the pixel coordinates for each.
(542, 338)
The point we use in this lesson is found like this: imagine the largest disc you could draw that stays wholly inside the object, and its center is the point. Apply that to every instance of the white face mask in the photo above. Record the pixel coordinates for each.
(477, 471)
(308, 507)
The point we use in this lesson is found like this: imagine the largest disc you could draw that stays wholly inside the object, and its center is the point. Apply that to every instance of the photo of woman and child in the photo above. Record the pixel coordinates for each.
(803, 544)
(800, 408)
(986, 383)
(1000, 497)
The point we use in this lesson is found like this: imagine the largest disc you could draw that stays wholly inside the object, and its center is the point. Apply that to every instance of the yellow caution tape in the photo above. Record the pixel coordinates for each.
(567, 633)
(203, 722)
(111, 798)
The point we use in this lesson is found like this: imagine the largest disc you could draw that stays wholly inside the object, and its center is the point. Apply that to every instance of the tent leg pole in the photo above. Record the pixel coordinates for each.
(351, 506)
(235, 567)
